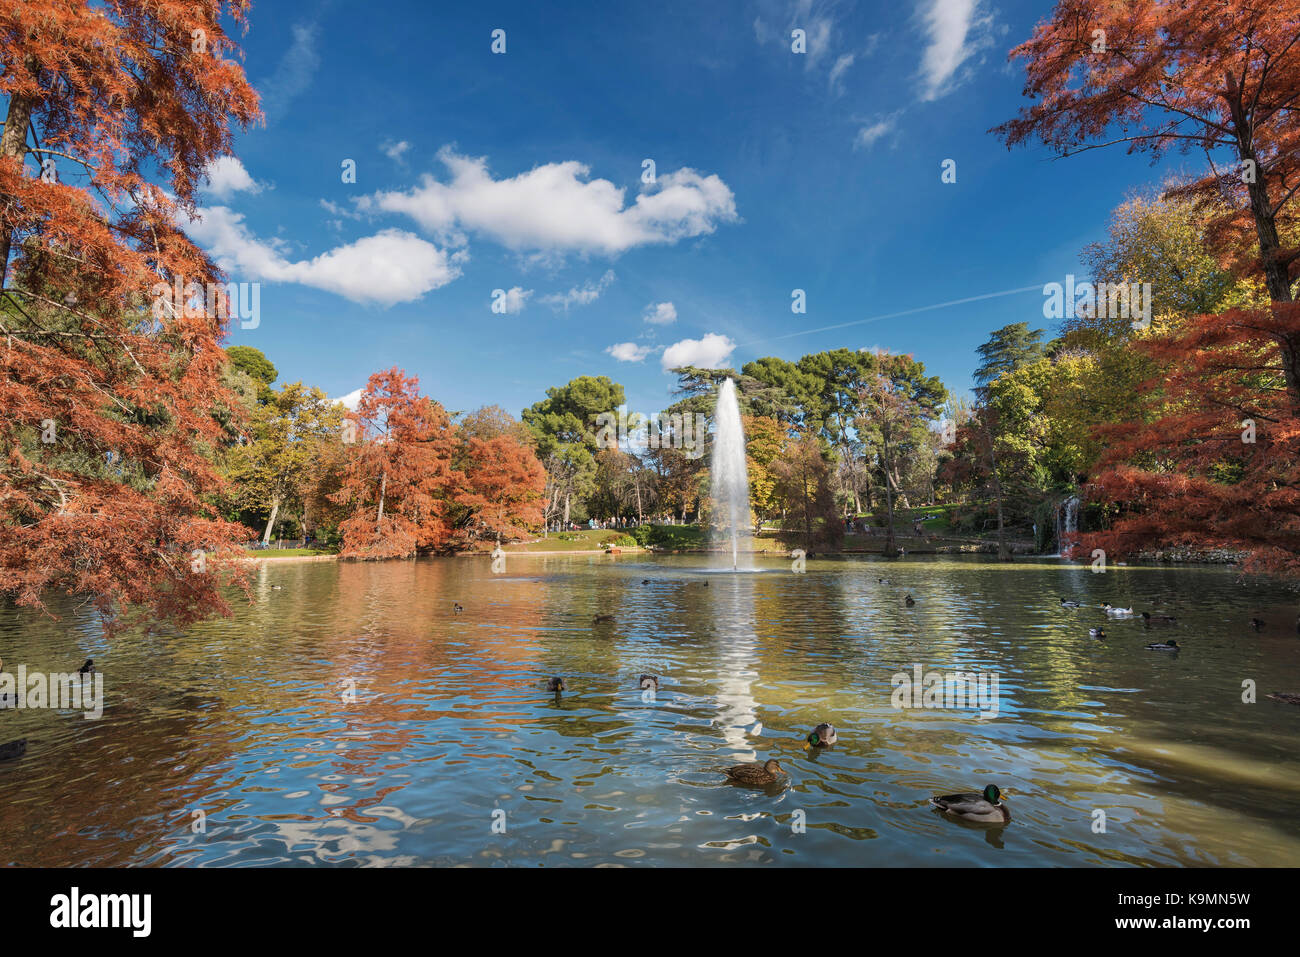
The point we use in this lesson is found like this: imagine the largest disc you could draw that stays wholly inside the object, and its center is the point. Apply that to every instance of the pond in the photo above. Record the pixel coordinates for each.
(352, 717)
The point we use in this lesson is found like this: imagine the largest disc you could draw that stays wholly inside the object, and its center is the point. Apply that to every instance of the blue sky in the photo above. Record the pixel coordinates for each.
(523, 171)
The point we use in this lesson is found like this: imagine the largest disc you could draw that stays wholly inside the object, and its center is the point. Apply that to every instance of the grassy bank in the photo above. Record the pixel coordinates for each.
(287, 552)
(583, 540)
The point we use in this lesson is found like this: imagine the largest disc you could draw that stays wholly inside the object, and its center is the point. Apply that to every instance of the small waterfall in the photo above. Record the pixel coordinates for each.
(730, 477)
(1067, 522)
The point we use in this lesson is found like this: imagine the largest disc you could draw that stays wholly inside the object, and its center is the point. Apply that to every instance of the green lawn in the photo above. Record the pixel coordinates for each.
(677, 536)
(584, 539)
(662, 536)
(286, 552)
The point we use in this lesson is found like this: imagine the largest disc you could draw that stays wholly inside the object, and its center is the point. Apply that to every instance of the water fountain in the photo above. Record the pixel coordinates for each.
(730, 478)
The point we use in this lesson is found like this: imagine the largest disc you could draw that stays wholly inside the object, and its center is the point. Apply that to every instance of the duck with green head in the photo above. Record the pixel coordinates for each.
(985, 807)
(822, 736)
(1170, 645)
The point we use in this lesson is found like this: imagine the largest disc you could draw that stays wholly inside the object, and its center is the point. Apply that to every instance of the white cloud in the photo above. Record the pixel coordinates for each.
(818, 31)
(660, 313)
(515, 299)
(554, 208)
(338, 210)
(226, 176)
(814, 17)
(350, 400)
(583, 295)
(293, 73)
(629, 351)
(711, 352)
(841, 66)
(868, 135)
(394, 151)
(957, 30)
(390, 267)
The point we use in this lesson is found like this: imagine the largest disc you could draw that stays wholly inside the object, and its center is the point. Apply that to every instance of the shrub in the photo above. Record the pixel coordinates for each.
(675, 536)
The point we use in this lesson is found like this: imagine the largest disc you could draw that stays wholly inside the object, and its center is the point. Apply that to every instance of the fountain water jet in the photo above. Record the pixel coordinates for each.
(730, 477)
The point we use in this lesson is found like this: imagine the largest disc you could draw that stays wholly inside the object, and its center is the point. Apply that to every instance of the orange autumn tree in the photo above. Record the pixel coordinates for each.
(111, 407)
(1212, 457)
(400, 477)
(503, 485)
(502, 490)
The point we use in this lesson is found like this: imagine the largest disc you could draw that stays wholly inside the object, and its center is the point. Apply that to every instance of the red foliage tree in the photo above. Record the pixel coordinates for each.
(501, 497)
(1223, 77)
(400, 478)
(109, 411)
(1218, 466)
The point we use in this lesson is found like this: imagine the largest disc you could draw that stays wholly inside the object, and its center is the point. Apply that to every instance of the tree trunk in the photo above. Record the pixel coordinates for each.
(1276, 273)
(890, 547)
(13, 142)
(270, 522)
(383, 490)
(807, 517)
(1003, 554)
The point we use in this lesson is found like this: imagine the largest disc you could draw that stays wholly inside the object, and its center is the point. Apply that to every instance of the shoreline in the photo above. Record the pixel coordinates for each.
(1144, 561)
(262, 559)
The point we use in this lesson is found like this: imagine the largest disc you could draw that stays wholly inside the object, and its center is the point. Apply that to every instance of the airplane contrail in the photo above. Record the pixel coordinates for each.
(894, 315)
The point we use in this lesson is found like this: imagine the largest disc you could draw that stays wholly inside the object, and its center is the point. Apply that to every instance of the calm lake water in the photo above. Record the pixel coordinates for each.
(452, 737)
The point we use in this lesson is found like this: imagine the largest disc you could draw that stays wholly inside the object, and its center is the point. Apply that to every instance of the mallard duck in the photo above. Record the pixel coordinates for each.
(276, 587)
(822, 736)
(645, 581)
(13, 749)
(986, 808)
(649, 682)
(1096, 632)
(1257, 624)
(909, 601)
(602, 619)
(1169, 645)
(1150, 619)
(555, 684)
(1070, 604)
(754, 774)
(884, 581)
(1112, 610)
(88, 668)
(1289, 697)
